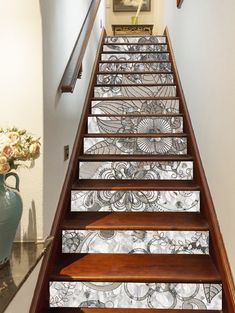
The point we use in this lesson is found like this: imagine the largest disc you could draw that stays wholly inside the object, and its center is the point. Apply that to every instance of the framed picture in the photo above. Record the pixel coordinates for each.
(130, 5)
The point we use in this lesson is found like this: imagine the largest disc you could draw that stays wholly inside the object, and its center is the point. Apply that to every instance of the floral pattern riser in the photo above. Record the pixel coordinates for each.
(133, 39)
(135, 201)
(135, 48)
(134, 91)
(137, 67)
(132, 124)
(137, 146)
(153, 242)
(134, 79)
(136, 170)
(135, 57)
(121, 107)
(136, 295)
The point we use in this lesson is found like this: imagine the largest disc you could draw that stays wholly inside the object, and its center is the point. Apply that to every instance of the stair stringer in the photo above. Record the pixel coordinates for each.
(217, 247)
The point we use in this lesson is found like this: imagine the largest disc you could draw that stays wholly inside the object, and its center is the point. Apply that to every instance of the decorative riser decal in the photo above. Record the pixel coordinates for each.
(136, 125)
(135, 57)
(135, 48)
(135, 146)
(135, 67)
(128, 79)
(137, 39)
(136, 170)
(136, 295)
(135, 91)
(135, 241)
(134, 106)
(135, 201)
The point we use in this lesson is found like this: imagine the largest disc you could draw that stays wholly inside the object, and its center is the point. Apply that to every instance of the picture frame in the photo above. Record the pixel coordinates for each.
(130, 6)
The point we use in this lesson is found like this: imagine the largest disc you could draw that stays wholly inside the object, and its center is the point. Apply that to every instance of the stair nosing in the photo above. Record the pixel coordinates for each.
(86, 184)
(135, 85)
(135, 135)
(134, 98)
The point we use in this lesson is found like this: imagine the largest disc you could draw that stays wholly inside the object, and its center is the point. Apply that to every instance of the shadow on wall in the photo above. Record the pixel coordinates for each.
(31, 234)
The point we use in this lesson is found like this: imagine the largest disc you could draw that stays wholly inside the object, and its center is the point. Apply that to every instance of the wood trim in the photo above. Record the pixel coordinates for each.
(217, 245)
(73, 69)
(41, 294)
(179, 3)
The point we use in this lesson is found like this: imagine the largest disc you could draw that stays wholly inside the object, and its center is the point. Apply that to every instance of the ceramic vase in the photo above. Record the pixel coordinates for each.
(10, 215)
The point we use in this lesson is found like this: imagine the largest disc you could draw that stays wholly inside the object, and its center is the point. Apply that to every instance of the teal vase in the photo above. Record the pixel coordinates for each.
(10, 214)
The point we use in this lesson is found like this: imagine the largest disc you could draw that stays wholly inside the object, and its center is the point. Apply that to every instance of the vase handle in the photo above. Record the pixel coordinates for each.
(17, 186)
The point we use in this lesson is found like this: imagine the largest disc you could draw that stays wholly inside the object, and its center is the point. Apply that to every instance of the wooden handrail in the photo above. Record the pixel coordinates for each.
(179, 3)
(217, 245)
(73, 69)
(41, 293)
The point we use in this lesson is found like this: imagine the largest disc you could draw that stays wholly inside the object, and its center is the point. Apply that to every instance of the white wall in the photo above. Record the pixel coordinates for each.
(21, 96)
(62, 21)
(203, 39)
(151, 17)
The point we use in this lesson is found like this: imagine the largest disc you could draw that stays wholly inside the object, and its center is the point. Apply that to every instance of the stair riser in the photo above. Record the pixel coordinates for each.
(136, 146)
(145, 57)
(137, 39)
(135, 67)
(135, 79)
(135, 125)
(135, 106)
(153, 242)
(136, 295)
(136, 170)
(135, 201)
(135, 48)
(134, 91)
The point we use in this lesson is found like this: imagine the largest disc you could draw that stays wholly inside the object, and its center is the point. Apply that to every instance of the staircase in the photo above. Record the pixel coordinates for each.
(138, 234)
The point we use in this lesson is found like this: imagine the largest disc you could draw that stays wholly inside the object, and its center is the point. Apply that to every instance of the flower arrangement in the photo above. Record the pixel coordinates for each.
(17, 148)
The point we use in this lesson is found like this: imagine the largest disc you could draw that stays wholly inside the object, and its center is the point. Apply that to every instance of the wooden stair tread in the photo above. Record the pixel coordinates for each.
(137, 115)
(134, 158)
(111, 310)
(136, 268)
(135, 52)
(135, 85)
(134, 61)
(135, 44)
(98, 184)
(135, 221)
(135, 135)
(134, 99)
(134, 72)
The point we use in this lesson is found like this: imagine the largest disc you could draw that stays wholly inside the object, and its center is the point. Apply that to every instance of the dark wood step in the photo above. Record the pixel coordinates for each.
(135, 135)
(137, 115)
(135, 73)
(135, 52)
(135, 158)
(134, 61)
(136, 268)
(135, 85)
(135, 44)
(108, 310)
(134, 98)
(135, 221)
(87, 184)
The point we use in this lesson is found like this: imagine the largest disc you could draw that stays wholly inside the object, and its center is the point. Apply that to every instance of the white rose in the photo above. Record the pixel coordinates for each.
(14, 137)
